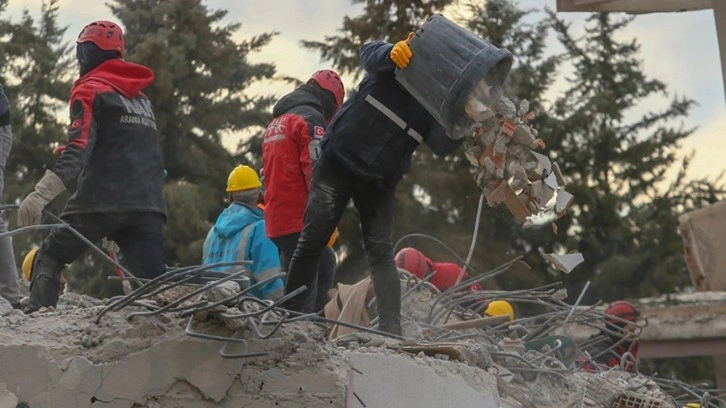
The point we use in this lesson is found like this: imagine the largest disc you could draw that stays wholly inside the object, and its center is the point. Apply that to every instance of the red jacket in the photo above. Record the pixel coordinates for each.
(289, 148)
(446, 274)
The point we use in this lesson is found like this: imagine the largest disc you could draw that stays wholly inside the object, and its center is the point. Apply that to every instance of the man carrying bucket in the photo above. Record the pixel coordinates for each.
(365, 151)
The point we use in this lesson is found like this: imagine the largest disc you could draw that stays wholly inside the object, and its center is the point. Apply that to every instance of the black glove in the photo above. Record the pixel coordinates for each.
(4, 108)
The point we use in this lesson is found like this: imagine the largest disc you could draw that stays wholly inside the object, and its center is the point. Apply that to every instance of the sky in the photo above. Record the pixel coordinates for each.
(680, 49)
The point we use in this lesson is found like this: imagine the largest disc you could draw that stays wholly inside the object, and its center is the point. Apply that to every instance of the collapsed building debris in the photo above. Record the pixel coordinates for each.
(209, 345)
(508, 169)
(501, 149)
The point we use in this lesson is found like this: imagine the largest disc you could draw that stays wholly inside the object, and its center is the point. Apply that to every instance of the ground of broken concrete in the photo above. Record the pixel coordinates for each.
(65, 359)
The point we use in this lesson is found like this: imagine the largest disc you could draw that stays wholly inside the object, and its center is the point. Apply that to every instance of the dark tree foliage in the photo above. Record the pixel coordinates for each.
(617, 135)
(389, 20)
(36, 67)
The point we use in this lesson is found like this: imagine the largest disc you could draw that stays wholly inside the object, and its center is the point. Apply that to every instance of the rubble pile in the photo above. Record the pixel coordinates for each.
(196, 356)
(508, 169)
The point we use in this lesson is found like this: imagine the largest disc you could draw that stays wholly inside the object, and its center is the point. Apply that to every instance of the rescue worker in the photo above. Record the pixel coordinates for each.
(9, 288)
(365, 151)
(114, 158)
(239, 234)
(290, 147)
(418, 264)
(619, 337)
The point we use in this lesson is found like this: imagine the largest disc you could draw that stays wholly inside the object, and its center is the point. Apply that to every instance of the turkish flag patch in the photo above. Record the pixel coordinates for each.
(76, 124)
(319, 132)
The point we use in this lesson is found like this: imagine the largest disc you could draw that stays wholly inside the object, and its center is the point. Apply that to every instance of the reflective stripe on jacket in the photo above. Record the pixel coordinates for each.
(378, 128)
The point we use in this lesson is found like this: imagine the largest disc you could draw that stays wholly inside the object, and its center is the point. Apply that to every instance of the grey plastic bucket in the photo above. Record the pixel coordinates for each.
(448, 64)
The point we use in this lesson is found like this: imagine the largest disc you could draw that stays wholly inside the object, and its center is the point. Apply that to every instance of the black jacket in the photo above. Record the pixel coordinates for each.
(113, 151)
(380, 125)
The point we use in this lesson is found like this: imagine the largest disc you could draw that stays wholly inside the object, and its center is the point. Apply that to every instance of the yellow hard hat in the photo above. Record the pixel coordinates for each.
(242, 178)
(28, 263)
(692, 405)
(500, 308)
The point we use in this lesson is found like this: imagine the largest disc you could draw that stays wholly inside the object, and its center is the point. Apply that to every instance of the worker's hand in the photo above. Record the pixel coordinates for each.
(48, 188)
(109, 245)
(401, 53)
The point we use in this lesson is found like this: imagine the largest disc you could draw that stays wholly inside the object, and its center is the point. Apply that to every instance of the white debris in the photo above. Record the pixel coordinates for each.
(565, 263)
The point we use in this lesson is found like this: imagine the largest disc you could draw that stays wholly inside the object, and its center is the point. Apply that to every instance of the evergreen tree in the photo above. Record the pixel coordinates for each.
(616, 147)
(36, 67)
(388, 20)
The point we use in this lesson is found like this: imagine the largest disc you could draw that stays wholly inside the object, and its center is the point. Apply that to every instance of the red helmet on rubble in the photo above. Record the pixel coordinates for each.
(623, 310)
(330, 81)
(107, 36)
(413, 261)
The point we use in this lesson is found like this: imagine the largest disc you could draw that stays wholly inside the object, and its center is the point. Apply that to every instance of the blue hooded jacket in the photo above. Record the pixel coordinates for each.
(239, 234)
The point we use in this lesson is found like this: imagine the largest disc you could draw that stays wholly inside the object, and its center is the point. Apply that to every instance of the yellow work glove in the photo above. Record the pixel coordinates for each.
(401, 53)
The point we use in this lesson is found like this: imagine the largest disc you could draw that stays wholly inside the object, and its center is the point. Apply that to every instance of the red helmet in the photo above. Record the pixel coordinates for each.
(622, 309)
(330, 81)
(413, 261)
(107, 36)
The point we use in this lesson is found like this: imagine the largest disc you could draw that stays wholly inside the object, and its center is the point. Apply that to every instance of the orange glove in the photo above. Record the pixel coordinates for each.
(401, 53)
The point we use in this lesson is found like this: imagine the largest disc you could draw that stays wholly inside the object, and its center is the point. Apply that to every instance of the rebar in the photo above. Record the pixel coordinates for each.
(473, 237)
(240, 294)
(574, 307)
(187, 296)
(150, 286)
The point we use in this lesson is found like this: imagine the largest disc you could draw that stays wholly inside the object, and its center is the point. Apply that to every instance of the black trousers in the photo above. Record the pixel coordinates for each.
(139, 235)
(332, 187)
(326, 268)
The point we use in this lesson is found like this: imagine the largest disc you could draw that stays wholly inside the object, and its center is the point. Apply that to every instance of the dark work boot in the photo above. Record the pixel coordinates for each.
(44, 282)
(387, 288)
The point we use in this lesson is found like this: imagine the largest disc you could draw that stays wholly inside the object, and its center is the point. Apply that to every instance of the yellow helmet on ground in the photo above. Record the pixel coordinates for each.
(28, 263)
(242, 178)
(500, 308)
(692, 405)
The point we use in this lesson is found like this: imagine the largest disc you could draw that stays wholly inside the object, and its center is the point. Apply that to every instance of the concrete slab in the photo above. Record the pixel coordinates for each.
(25, 370)
(118, 403)
(399, 381)
(153, 371)
(7, 398)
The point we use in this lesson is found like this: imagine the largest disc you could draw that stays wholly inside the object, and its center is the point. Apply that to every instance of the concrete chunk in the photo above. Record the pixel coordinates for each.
(374, 376)
(7, 398)
(26, 363)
